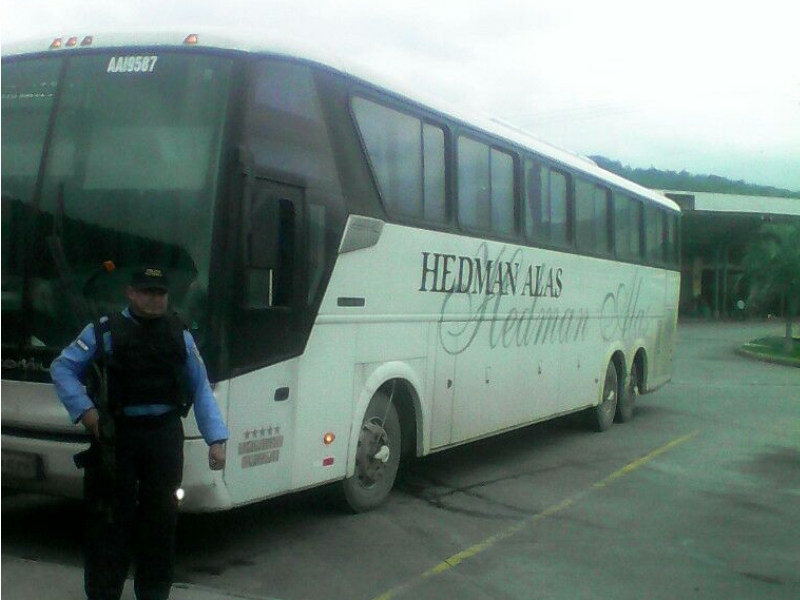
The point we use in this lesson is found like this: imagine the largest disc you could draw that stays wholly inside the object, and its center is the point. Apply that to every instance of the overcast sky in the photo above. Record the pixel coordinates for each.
(701, 85)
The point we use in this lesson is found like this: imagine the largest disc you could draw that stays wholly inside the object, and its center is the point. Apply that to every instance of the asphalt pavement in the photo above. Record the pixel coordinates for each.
(34, 580)
(579, 516)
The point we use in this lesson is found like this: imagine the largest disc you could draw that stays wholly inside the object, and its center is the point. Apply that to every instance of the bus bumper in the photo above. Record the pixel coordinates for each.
(42, 466)
(45, 466)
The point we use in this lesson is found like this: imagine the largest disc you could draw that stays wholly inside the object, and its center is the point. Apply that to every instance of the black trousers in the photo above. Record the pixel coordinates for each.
(134, 514)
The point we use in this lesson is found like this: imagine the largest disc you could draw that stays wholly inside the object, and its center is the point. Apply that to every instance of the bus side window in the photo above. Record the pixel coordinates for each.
(622, 226)
(485, 188)
(407, 157)
(673, 243)
(559, 210)
(536, 192)
(547, 199)
(502, 182)
(654, 235)
(637, 230)
(603, 225)
(474, 185)
(584, 215)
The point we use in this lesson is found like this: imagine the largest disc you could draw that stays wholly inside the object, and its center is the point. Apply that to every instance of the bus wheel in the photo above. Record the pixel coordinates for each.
(377, 457)
(627, 401)
(603, 414)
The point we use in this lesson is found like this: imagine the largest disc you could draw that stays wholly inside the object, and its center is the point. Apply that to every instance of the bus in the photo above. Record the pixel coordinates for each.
(370, 275)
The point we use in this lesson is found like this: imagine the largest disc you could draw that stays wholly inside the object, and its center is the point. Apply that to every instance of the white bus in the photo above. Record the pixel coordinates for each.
(369, 276)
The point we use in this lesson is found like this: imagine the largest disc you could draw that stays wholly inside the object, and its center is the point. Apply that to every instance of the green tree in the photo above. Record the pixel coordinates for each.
(772, 262)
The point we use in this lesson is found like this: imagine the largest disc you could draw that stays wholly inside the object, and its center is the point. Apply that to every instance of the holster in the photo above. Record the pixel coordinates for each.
(84, 458)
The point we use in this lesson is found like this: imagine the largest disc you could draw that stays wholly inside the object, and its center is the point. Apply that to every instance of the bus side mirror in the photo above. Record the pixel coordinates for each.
(269, 253)
(263, 240)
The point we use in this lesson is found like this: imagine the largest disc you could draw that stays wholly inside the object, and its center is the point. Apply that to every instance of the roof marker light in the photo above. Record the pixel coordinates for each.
(191, 39)
(56, 44)
(72, 42)
(87, 41)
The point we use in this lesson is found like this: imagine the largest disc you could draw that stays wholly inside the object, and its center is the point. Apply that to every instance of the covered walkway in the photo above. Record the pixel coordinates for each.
(716, 229)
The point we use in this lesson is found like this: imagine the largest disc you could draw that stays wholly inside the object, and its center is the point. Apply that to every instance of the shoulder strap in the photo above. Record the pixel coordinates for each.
(100, 327)
(177, 326)
(177, 317)
(99, 392)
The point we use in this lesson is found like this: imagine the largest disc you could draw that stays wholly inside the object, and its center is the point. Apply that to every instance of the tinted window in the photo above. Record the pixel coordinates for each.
(284, 126)
(622, 225)
(602, 223)
(29, 89)
(485, 187)
(474, 188)
(546, 205)
(502, 192)
(537, 201)
(559, 215)
(407, 158)
(654, 237)
(637, 227)
(584, 215)
(132, 166)
(673, 252)
(592, 217)
(434, 173)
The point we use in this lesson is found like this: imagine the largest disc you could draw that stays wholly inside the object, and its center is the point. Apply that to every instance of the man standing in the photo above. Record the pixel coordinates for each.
(154, 375)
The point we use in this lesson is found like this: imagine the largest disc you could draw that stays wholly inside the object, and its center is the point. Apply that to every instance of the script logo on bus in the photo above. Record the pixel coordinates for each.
(476, 286)
(453, 274)
(473, 307)
(621, 314)
(26, 365)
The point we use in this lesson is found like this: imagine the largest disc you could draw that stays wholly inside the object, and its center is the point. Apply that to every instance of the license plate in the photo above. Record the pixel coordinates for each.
(20, 465)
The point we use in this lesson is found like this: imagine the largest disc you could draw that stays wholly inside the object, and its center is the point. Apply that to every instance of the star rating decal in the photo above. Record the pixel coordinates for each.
(263, 432)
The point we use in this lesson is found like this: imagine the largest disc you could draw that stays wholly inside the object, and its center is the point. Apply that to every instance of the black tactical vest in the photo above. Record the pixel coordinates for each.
(147, 362)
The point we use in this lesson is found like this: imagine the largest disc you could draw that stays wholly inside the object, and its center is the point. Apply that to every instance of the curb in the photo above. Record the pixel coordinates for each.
(777, 360)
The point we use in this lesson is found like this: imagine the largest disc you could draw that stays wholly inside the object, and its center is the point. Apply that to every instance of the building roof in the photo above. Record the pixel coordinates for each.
(712, 222)
(735, 203)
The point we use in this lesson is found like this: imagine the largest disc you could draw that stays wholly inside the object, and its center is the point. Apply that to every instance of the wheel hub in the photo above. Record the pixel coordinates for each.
(373, 452)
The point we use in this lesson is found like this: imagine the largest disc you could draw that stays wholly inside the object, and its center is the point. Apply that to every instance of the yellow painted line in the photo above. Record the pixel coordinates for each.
(644, 460)
(472, 551)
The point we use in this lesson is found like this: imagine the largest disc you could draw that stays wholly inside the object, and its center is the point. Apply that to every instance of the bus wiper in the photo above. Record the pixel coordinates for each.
(78, 303)
(86, 311)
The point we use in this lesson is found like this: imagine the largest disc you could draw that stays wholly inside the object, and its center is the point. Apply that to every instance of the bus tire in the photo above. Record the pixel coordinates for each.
(602, 415)
(626, 406)
(377, 457)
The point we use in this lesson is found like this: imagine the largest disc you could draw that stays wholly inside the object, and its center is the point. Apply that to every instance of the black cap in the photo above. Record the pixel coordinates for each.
(149, 278)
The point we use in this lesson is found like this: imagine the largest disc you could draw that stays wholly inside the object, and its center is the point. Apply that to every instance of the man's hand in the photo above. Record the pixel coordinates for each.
(216, 456)
(91, 420)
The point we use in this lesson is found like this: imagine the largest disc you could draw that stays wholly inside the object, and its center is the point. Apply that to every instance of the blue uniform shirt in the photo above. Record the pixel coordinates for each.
(68, 370)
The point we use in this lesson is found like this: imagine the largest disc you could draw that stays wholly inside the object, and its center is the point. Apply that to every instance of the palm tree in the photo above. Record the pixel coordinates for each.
(772, 262)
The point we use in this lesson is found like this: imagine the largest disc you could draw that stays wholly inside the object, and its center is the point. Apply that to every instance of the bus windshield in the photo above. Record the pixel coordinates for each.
(106, 157)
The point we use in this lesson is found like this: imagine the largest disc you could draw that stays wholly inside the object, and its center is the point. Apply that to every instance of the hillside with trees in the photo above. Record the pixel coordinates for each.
(670, 180)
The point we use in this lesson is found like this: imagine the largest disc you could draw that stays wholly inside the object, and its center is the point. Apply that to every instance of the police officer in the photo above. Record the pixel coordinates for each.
(154, 372)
